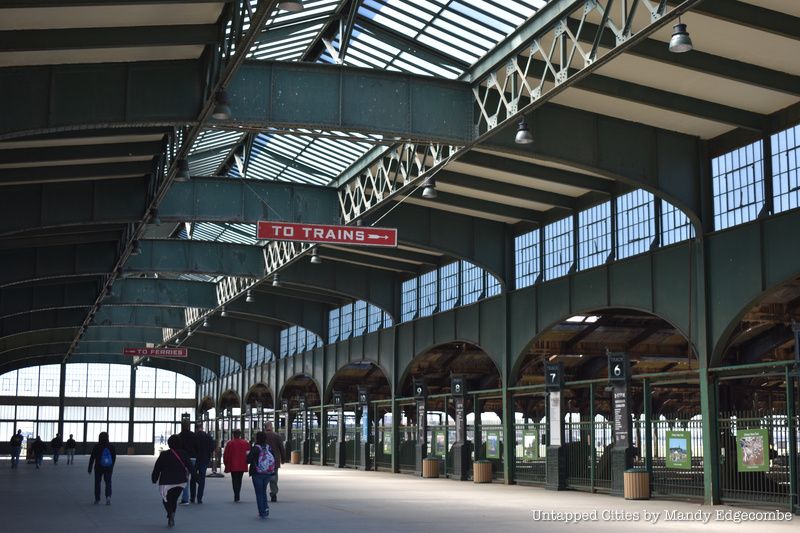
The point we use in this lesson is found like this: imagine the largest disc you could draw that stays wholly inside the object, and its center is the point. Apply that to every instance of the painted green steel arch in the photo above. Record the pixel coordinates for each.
(187, 369)
(263, 95)
(745, 264)
(197, 257)
(162, 292)
(15, 300)
(20, 266)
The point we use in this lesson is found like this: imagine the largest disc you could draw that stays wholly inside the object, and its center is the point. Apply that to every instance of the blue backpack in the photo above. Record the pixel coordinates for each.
(266, 462)
(105, 458)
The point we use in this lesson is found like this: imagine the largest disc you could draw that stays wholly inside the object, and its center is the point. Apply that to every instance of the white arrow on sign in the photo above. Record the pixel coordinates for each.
(374, 237)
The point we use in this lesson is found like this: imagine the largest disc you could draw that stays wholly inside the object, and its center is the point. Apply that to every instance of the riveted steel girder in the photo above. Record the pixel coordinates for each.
(197, 257)
(55, 205)
(39, 320)
(162, 292)
(34, 264)
(479, 241)
(262, 94)
(139, 316)
(36, 338)
(15, 300)
(248, 201)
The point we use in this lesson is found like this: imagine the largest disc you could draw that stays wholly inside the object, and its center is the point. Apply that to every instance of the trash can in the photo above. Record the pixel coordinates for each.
(295, 458)
(430, 467)
(636, 483)
(482, 471)
(131, 450)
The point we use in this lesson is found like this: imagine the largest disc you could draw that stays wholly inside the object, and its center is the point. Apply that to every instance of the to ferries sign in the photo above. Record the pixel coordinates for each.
(156, 352)
(357, 235)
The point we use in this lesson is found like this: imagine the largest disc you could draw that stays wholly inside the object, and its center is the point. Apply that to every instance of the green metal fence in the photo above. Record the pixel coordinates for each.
(531, 453)
(492, 448)
(383, 447)
(754, 458)
(315, 445)
(406, 448)
(671, 478)
(588, 454)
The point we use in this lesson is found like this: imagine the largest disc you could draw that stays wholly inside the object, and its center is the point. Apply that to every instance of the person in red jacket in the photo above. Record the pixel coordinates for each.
(235, 458)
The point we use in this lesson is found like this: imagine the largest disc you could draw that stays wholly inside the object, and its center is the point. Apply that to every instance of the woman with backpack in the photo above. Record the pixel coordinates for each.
(262, 468)
(103, 458)
(172, 471)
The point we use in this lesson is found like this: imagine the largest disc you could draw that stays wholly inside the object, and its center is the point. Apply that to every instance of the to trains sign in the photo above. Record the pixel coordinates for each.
(354, 235)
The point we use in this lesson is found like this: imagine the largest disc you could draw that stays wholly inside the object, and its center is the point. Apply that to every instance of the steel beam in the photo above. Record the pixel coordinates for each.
(73, 173)
(36, 264)
(248, 201)
(117, 37)
(751, 16)
(162, 292)
(55, 205)
(20, 300)
(505, 189)
(263, 95)
(197, 257)
(490, 209)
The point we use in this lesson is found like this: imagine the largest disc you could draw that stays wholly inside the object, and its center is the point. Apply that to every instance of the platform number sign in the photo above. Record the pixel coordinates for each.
(420, 389)
(619, 368)
(302, 403)
(554, 376)
(285, 405)
(337, 398)
(457, 387)
(363, 397)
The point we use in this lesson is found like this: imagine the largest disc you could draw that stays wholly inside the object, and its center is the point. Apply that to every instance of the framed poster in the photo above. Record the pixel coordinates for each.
(530, 445)
(492, 445)
(679, 450)
(387, 443)
(752, 450)
(439, 447)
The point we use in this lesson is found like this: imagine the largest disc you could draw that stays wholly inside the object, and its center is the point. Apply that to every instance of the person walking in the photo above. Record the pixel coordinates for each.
(103, 458)
(275, 443)
(189, 445)
(205, 447)
(171, 472)
(69, 448)
(235, 458)
(38, 451)
(262, 467)
(16, 448)
(56, 445)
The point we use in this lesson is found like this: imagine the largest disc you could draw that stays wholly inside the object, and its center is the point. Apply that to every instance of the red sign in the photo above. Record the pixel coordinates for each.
(156, 352)
(358, 235)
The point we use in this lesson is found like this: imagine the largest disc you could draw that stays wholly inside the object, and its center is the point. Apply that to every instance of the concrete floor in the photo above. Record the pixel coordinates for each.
(320, 499)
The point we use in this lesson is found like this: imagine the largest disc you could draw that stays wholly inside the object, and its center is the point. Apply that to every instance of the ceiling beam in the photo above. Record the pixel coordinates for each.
(490, 209)
(78, 152)
(481, 185)
(751, 16)
(117, 37)
(71, 173)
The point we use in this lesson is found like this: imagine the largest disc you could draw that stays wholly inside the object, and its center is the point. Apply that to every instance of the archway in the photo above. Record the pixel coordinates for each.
(757, 391)
(347, 381)
(259, 409)
(300, 400)
(205, 405)
(436, 366)
(581, 343)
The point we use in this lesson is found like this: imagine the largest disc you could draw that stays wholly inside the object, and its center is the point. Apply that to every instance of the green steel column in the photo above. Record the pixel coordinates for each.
(62, 388)
(477, 407)
(648, 426)
(509, 437)
(592, 441)
(708, 408)
(790, 414)
(323, 435)
(395, 432)
(131, 404)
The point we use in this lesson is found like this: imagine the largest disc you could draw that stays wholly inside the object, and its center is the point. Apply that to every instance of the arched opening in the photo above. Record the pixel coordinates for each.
(206, 404)
(347, 381)
(229, 414)
(670, 400)
(300, 400)
(757, 393)
(259, 409)
(483, 407)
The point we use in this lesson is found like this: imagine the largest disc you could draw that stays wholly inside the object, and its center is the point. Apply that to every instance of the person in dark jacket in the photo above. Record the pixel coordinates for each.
(103, 458)
(69, 447)
(279, 452)
(38, 451)
(56, 445)
(171, 472)
(189, 445)
(16, 448)
(205, 447)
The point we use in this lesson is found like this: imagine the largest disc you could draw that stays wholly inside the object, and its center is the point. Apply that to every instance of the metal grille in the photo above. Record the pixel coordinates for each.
(531, 452)
(588, 449)
(594, 236)
(526, 254)
(786, 169)
(333, 326)
(346, 321)
(635, 223)
(471, 283)
(753, 487)
(558, 238)
(738, 181)
(359, 318)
